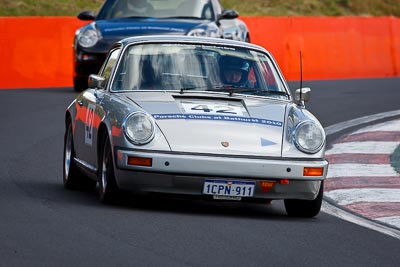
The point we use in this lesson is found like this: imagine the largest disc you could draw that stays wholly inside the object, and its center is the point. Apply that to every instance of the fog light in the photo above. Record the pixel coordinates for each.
(137, 161)
(312, 171)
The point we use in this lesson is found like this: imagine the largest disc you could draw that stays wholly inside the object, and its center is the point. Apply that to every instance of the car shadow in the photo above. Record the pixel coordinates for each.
(54, 194)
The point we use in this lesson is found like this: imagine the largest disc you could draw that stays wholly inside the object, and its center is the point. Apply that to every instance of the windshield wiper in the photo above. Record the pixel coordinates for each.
(136, 17)
(253, 91)
(181, 17)
(188, 88)
(273, 92)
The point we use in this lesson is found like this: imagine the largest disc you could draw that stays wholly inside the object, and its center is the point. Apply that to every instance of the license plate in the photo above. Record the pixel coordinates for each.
(229, 188)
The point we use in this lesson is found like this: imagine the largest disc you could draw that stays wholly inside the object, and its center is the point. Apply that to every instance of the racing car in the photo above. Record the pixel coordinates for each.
(202, 117)
(118, 19)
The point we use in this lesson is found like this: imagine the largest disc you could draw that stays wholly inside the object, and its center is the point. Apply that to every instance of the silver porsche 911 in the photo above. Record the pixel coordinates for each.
(203, 117)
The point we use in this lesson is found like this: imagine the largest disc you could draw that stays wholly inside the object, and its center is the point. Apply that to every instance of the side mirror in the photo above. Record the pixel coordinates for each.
(86, 15)
(228, 14)
(96, 81)
(302, 95)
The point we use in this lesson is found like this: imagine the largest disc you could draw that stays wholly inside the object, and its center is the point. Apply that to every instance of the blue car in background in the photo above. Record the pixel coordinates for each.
(118, 19)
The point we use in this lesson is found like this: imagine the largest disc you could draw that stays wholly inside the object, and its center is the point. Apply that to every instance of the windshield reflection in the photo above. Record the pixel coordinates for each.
(198, 67)
(199, 9)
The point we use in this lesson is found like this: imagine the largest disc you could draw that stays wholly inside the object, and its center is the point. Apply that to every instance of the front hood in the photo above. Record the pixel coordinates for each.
(121, 28)
(218, 125)
(117, 29)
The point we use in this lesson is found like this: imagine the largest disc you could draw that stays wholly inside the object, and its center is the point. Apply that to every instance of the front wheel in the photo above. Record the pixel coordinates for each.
(108, 188)
(305, 208)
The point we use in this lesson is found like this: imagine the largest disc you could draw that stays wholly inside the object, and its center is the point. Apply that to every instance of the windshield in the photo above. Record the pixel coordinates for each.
(199, 9)
(200, 67)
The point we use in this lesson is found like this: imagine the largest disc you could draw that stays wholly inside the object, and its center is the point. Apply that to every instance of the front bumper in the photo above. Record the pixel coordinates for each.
(181, 173)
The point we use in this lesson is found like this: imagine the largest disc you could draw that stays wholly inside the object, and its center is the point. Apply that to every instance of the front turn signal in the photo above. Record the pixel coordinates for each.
(313, 171)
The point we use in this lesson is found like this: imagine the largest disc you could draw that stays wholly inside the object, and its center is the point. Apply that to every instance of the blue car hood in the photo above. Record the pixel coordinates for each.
(119, 28)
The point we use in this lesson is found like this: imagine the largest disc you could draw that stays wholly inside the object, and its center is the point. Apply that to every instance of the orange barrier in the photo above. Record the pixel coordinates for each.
(332, 47)
(36, 52)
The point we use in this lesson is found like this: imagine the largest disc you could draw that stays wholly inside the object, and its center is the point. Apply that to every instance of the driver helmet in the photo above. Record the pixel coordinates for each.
(235, 71)
(137, 6)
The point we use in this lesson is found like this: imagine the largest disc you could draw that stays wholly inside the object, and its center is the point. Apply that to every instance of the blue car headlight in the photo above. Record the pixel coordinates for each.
(88, 38)
(139, 128)
(308, 137)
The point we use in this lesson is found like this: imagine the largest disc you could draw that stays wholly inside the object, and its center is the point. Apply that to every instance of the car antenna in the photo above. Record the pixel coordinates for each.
(301, 80)
(301, 76)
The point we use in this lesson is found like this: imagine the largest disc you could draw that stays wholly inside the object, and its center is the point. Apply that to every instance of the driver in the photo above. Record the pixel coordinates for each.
(136, 7)
(235, 71)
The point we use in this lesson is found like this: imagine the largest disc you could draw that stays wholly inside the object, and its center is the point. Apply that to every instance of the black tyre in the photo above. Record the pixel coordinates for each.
(108, 189)
(73, 178)
(305, 208)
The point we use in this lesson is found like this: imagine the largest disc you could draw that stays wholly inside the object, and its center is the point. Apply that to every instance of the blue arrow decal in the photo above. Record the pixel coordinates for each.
(265, 142)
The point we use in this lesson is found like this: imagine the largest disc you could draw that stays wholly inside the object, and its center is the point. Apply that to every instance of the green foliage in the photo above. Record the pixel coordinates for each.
(245, 7)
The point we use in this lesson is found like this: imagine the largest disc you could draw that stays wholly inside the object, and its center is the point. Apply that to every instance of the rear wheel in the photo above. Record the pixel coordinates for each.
(305, 208)
(73, 178)
(108, 189)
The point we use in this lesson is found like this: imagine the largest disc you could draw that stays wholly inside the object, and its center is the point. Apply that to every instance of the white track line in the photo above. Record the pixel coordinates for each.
(343, 196)
(367, 147)
(360, 170)
(350, 196)
(393, 126)
(394, 220)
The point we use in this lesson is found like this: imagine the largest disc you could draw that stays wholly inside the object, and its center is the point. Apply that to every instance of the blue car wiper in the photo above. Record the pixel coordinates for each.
(180, 17)
(137, 17)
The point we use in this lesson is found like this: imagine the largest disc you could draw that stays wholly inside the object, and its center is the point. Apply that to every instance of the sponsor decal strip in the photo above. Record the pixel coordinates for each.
(217, 118)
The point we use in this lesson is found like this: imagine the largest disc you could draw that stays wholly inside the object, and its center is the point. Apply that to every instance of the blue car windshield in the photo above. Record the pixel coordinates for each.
(199, 9)
(199, 67)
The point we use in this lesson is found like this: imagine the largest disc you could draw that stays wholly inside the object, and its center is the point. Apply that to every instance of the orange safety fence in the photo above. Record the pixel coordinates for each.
(36, 52)
(332, 47)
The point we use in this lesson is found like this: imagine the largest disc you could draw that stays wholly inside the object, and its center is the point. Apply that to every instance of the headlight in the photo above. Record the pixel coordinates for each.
(309, 137)
(139, 128)
(88, 38)
(198, 32)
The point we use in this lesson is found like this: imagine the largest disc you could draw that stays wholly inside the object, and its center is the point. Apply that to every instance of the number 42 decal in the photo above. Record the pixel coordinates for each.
(89, 124)
(220, 109)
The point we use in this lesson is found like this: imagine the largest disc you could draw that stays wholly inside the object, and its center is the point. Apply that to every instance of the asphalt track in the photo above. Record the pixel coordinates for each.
(41, 224)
